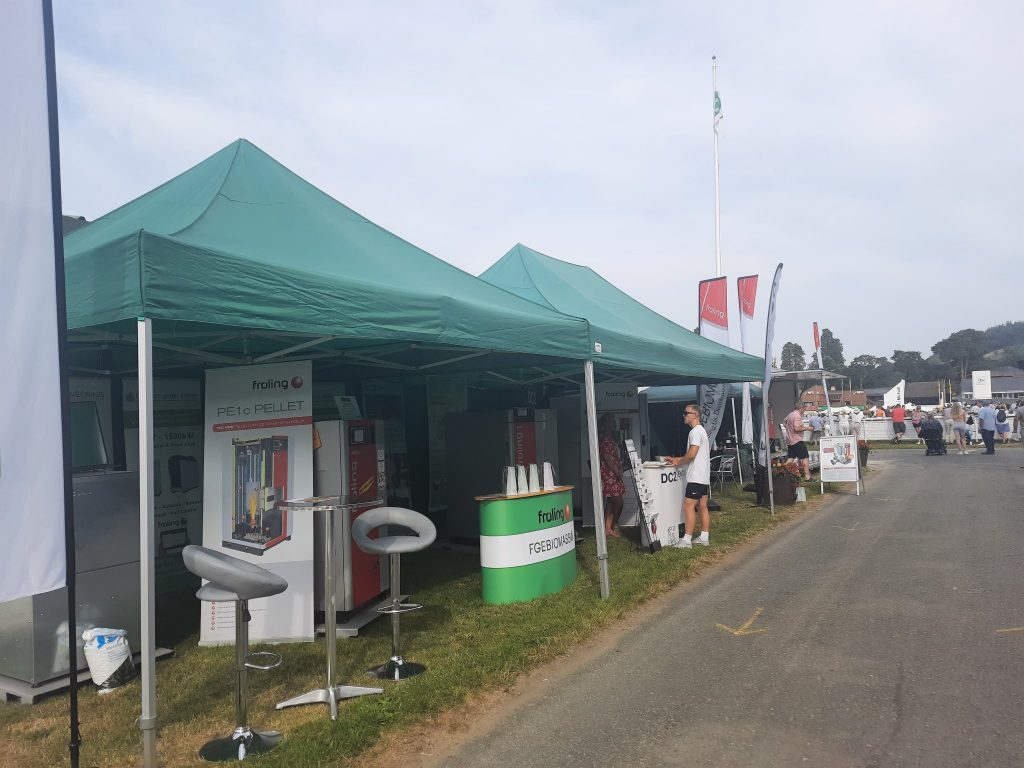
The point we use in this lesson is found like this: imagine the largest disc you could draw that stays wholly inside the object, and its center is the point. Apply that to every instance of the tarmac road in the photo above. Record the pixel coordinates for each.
(880, 643)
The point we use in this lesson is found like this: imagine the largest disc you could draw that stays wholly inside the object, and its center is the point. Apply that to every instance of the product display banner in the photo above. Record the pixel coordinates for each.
(713, 324)
(839, 459)
(31, 444)
(258, 450)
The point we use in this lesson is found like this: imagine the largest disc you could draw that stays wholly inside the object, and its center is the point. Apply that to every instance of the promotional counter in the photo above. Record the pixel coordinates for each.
(667, 484)
(527, 544)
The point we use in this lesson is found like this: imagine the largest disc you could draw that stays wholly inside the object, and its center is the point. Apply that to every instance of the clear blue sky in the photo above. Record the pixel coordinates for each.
(875, 148)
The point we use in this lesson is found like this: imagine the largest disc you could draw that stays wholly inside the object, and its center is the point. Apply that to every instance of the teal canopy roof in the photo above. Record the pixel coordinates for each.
(631, 336)
(239, 242)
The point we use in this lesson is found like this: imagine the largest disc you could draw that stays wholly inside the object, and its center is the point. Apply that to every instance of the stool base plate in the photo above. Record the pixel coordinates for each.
(396, 668)
(241, 744)
(329, 696)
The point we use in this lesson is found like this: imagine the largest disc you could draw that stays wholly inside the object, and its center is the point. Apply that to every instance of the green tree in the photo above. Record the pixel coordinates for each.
(964, 350)
(870, 371)
(793, 357)
(832, 353)
(911, 366)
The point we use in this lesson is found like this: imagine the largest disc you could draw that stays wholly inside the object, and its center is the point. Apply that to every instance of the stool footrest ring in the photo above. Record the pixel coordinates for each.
(276, 660)
(398, 608)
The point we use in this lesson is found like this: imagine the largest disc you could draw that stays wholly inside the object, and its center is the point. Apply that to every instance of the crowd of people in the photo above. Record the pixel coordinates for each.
(961, 425)
(956, 424)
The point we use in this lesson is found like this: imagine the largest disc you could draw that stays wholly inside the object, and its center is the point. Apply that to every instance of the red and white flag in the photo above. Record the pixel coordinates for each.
(713, 324)
(746, 289)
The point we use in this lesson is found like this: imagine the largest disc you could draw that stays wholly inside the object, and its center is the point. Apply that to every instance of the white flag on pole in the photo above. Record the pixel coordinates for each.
(32, 557)
(769, 336)
(746, 288)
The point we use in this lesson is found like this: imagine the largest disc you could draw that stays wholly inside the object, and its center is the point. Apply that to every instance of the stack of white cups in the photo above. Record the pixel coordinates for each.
(534, 483)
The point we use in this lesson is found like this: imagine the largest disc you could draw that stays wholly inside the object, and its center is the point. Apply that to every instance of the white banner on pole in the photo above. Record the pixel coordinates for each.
(895, 395)
(769, 337)
(31, 435)
(713, 323)
(981, 385)
(824, 384)
(258, 450)
(746, 288)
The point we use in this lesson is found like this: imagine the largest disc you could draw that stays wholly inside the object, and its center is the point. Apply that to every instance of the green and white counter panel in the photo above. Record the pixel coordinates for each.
(527, 545)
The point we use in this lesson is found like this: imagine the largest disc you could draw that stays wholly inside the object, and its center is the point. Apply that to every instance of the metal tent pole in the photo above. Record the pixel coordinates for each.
(147, 593)
(736, 434)
(595, 478)
(767, 446)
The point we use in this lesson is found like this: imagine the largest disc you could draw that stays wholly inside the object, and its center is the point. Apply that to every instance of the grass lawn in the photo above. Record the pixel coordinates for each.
(469, 648)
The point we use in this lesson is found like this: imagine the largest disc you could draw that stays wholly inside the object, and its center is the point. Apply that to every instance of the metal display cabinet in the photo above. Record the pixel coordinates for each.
(34, 631)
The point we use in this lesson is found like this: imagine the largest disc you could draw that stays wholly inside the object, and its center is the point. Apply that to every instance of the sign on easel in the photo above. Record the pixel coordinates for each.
(648, 517)
(840, 461)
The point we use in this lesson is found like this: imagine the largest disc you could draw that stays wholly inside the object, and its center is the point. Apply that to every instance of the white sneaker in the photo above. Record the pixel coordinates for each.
(683, 544)
(702, 541)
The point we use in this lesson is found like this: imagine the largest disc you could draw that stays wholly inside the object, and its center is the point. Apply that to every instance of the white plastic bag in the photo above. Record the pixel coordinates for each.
(109, 657)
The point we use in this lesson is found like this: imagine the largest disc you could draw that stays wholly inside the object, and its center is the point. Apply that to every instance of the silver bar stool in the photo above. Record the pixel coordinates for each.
(232, 579)
(395, 668)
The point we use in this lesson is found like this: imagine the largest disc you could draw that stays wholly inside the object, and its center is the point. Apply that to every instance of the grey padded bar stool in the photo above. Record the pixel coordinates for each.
(236, 580)
(395, 668)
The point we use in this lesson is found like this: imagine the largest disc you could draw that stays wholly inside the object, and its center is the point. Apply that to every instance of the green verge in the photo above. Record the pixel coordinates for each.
(469, 648)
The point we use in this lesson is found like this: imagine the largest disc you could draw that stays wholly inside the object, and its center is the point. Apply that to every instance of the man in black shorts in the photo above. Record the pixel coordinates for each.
(698, 480)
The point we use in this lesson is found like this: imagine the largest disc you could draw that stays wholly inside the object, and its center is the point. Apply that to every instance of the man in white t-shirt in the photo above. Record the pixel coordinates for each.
(698, 479)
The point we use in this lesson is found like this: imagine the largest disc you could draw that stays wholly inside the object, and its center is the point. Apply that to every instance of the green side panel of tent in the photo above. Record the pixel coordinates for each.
(631, 335)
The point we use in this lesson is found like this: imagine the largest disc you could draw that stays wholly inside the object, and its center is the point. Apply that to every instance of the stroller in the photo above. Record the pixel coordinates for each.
(931, 432)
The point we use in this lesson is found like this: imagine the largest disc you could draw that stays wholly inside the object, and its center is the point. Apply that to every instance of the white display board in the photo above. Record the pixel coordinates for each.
(840, 462)
(258, 445)
(177, 471)
(981, 385)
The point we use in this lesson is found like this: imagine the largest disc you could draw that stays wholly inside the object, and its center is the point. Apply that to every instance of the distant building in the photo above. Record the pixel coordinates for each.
(1007, 384)
(814, 397)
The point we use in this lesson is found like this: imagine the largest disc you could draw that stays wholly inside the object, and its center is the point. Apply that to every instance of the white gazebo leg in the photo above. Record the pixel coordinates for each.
(147, 591)
(595, 478)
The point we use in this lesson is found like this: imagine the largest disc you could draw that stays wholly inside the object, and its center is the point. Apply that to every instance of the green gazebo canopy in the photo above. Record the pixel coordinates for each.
(630, 335)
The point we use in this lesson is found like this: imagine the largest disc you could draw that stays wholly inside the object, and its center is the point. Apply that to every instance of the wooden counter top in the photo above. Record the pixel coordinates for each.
(500, 496)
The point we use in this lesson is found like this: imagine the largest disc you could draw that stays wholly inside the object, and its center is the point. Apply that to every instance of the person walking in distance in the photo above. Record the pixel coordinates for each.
(959, 416)
(1002, 423)
(698, 480)
(915, 422)
(817, 426)
(947, 424)
(797, 451)
(899, 425)
(987, 423)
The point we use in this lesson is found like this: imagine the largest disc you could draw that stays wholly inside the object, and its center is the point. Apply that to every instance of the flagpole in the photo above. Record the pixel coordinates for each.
(715, 119)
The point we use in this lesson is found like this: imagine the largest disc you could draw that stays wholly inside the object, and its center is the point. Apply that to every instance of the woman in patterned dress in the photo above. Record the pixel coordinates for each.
(612, 486)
